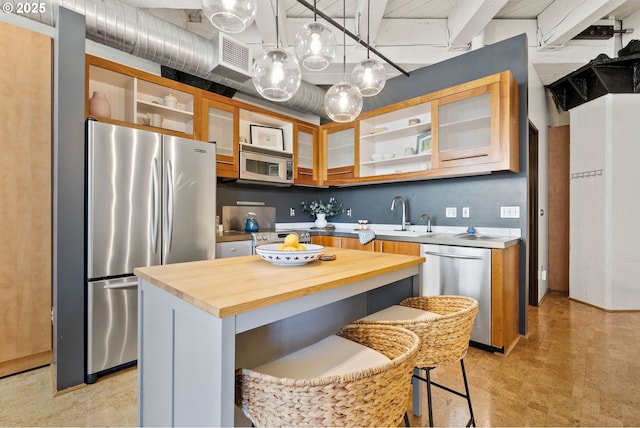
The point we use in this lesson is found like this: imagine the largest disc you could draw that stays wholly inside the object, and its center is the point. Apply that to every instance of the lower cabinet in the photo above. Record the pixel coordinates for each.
(233, 249)
(379, 245)
(505, 297)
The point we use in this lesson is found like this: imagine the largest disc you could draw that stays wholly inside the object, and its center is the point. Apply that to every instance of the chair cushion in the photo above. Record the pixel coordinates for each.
(333, 355)
(401, 313)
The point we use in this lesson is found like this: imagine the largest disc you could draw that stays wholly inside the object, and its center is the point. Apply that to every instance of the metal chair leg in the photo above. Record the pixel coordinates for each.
(406, 420)
(472, 420)
(428, 379)
(467, 396)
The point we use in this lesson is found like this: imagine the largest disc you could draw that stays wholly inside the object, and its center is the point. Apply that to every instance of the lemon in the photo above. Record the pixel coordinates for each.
(291, 240)
(301, 247)
(288, 248)
(281, 247)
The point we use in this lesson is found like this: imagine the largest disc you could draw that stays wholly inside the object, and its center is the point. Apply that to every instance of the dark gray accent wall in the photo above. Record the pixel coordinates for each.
(68, 199)
(482, 194)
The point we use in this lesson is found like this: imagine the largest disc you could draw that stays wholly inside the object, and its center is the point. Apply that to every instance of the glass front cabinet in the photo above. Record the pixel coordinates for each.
(475, 127)
(305, 155)
(220, 124)
(338, 152)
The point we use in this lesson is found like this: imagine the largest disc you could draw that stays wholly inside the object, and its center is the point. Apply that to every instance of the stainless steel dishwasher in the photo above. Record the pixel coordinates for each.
(464, 271)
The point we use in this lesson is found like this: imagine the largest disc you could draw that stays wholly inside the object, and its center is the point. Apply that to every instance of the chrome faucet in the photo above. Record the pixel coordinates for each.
(428, 221)
(404, 210)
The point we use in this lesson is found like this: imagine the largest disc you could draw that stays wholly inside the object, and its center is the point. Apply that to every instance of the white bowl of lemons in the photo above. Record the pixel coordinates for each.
(290, 252)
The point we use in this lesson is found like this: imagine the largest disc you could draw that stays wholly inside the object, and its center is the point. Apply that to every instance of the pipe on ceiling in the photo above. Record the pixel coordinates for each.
(144, 35)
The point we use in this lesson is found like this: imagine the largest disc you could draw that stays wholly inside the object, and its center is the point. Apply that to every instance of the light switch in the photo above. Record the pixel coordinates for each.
(510, 212)
(451, 212)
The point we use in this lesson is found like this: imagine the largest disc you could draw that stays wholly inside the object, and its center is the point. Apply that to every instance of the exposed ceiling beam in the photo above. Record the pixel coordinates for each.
(165, 4)
(564, 19)
(468, 19)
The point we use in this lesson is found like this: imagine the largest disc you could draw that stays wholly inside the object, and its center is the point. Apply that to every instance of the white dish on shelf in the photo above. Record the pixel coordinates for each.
(378, 130)
(388, 156)
(270, 253)
(376, 156)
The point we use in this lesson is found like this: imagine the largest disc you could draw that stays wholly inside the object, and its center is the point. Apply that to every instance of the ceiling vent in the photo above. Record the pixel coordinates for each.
(234, 59)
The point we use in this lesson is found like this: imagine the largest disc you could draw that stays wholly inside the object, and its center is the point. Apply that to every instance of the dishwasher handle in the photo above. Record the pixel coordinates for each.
(453, 256)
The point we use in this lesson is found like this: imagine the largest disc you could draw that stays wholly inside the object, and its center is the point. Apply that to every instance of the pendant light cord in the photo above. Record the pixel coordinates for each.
(344, 40)
(368, 22)
(315, 11)
(277, 32)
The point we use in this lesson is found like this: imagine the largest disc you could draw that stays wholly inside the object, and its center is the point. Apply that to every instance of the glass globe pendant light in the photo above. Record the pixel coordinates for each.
(369, 76)
(230, 16)
(277, 75)
(315, 45)
(343, 101)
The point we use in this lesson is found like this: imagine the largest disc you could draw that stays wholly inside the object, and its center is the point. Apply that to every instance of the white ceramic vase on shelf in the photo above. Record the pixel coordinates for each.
(99, 105)
(321, 220)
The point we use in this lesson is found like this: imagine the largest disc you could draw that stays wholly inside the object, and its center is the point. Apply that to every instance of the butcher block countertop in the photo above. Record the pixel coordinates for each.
(227, 287)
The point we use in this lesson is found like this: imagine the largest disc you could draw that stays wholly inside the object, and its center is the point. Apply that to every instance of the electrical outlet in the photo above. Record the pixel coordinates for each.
(348, 212)
(451, 212)
(465, 212)
(292, 212)
(510, 212)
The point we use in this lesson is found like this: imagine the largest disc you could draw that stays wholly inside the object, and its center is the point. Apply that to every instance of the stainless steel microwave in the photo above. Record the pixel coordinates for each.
(258, 164)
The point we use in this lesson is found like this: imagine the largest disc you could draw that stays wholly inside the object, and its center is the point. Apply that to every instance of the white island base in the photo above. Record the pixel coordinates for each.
(199, 321)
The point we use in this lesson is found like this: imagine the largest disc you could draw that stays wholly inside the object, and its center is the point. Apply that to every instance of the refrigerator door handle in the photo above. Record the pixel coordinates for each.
(128, 284)
(170, 204)
(155, 218)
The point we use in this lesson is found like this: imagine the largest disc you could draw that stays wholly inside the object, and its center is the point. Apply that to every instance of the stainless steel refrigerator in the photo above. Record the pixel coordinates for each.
(151, 199)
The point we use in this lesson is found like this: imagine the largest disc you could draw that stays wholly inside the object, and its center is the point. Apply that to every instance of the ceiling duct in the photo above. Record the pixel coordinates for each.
(144, 35)
(601, 76)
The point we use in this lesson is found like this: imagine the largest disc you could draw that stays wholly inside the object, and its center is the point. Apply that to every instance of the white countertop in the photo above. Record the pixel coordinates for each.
(485, 237)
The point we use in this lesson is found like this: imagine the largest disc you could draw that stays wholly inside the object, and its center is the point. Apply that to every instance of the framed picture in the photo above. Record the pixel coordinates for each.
(423, 142)
(267, 136)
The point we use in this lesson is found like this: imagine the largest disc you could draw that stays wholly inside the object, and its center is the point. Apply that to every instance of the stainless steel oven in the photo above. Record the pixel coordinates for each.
(261, 238)
(263, 165)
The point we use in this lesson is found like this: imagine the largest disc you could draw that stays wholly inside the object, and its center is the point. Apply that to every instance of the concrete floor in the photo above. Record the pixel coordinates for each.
(579, 366)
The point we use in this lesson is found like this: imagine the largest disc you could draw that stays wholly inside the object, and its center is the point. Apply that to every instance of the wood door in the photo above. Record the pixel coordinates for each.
(532, 215)
(327, 241)
(559, 208)
(25, 186)
(354, 244)
(398, 247)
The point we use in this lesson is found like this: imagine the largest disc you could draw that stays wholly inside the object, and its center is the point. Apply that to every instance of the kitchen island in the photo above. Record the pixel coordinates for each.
(191, 315)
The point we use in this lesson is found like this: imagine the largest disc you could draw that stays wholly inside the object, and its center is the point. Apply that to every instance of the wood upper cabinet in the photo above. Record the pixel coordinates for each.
(25, 229)
(338, 147)
(471, 128)
(137, 99)
(305, 155)
(220, 124)
(475, 126)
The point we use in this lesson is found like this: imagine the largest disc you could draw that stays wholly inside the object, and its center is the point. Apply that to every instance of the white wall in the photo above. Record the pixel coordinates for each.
(604, 263)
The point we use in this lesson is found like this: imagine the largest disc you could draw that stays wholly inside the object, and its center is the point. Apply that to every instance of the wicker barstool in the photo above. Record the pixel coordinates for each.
(376, 393)
(443, 324)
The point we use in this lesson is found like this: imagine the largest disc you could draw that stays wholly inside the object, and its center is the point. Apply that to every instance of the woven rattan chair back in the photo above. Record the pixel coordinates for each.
(376, 396)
